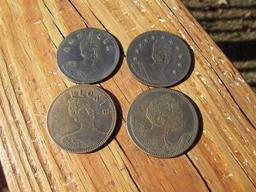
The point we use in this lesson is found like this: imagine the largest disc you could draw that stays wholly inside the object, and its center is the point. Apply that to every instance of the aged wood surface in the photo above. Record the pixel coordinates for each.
(224, 159)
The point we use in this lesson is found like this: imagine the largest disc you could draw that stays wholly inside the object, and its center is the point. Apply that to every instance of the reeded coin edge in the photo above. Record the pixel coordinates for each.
(162, 85)
(111, 70)
(109, 133)
(160, 155)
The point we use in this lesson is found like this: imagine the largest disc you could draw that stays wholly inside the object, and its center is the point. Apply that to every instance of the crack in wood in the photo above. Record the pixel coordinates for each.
(80, 14)
(199, 173)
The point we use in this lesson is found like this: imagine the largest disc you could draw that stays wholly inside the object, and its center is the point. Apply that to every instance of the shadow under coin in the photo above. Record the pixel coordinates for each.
(200, 124)
(200, 129)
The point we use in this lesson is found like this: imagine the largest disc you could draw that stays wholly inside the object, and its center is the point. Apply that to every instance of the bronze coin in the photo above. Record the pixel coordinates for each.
(88, 55)
(82, 118)
(159, 58)
(163, 123)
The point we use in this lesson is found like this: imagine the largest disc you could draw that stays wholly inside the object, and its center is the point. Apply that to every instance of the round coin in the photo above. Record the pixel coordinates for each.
(159, 59)
(88, 55)
(163, 123)
(82, 118)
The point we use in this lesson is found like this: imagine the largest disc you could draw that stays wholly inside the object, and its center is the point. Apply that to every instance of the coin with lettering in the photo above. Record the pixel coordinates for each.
(82, 118)
(88, 55)
(159, 59)
(163, 123)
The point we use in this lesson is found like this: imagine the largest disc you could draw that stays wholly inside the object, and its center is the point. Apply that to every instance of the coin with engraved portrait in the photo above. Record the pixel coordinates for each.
(159, 59)
(88, 55)
(163, 123)
(82, 118)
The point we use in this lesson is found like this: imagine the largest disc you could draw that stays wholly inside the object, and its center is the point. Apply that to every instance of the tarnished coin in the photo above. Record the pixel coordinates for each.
(163, 123)
(88, 55)
(82, 118)
(159, 59)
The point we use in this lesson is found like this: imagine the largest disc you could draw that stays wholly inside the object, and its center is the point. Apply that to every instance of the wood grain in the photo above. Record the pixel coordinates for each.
(224, 159)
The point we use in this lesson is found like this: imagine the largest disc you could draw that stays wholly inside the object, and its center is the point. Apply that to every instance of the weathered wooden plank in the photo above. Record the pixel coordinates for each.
(224, 158)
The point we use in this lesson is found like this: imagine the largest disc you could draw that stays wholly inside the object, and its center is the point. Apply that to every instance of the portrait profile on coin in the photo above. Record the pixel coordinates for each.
(163, 113)
(88, 55)
(161, 123)
(82, 113)
(82, 118)
(159, 58)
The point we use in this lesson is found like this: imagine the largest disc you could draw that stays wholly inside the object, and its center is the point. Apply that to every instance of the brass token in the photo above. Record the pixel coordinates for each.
(163, 123)
(159, 58)
(82, 118)
(88, 55)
